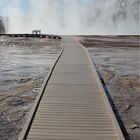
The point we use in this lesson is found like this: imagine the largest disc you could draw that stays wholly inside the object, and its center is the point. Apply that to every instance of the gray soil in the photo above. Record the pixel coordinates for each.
(117, 61)
(24, 64)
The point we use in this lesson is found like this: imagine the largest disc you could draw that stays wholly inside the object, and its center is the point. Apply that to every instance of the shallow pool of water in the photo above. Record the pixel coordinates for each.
(22, 62)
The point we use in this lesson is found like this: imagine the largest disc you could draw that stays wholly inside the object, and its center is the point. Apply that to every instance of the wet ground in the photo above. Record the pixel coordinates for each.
(24, 64)
(118, 62)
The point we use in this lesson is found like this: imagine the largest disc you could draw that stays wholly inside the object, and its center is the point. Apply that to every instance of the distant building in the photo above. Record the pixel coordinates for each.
(36, 32)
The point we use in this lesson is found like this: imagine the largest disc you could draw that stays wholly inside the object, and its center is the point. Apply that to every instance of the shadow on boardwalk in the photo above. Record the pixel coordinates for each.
(117, 115)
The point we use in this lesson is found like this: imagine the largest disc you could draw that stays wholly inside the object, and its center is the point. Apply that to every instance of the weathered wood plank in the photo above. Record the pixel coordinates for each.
(74, 106)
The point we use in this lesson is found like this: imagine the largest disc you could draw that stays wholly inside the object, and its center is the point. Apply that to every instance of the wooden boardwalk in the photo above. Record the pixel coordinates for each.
(74, 105)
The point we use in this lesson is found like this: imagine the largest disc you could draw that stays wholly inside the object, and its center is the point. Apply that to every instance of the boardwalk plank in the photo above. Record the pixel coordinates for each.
(73, 106)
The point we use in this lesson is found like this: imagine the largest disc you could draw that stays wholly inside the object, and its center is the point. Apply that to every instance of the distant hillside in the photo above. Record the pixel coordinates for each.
(127, 8)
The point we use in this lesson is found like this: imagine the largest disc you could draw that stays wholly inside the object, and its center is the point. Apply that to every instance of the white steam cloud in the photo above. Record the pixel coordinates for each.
(73, 16)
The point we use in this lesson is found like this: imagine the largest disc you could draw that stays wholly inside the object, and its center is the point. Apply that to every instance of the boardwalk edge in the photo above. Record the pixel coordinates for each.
(24, 133)
(116, 124)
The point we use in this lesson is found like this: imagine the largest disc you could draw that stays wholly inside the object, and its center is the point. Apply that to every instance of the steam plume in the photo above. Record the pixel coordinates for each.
(73, 16)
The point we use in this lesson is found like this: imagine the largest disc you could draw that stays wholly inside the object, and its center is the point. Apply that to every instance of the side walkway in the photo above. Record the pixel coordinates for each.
(74, 106)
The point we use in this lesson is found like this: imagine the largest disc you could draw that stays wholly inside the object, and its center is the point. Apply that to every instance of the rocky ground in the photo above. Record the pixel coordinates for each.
(24, 64)
(117, 60)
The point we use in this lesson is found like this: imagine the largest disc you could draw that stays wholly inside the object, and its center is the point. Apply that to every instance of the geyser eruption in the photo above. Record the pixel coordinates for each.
(73, 16)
